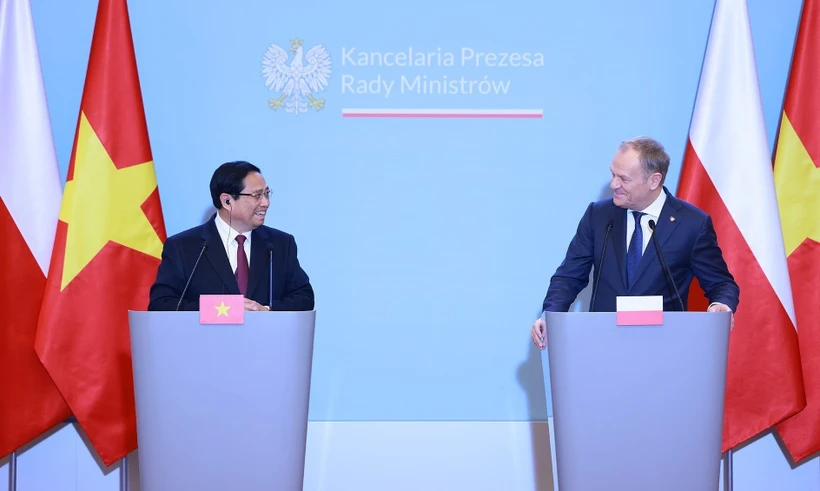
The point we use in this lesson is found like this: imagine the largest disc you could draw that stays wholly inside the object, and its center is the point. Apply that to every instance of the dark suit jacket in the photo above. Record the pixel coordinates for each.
(686, 237)
(291, 286)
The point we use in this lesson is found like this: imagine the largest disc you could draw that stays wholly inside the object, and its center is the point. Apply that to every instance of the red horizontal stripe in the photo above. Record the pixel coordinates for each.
(639, 318)
(29, 401)
(442, 116)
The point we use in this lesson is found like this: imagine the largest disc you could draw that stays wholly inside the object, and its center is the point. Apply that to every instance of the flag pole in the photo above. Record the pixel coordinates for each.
(727, 471)
(13, 471)
(123, 474)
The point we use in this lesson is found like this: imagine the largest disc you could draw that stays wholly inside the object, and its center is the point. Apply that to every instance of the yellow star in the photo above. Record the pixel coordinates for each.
(797, 180)
(222, 309)
(102, 203)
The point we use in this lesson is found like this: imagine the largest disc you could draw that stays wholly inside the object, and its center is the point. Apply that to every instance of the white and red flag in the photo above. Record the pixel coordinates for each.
(30, 194)
(727, 172)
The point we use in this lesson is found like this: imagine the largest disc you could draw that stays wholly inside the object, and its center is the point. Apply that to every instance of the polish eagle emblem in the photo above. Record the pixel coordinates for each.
(298, 82)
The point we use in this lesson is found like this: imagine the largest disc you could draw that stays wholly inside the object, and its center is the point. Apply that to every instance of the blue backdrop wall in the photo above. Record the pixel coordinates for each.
(429, 242)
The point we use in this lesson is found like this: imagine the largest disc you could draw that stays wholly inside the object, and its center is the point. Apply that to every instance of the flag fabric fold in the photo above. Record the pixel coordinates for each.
(727, 172)
(108, 244)
(30, 192)
(797, 180)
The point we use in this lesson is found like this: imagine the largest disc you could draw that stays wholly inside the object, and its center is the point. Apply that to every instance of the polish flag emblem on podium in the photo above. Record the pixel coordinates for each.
(221, 309)
(639, 311)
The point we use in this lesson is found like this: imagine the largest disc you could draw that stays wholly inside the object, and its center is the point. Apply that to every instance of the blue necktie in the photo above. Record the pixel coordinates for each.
(635, 251)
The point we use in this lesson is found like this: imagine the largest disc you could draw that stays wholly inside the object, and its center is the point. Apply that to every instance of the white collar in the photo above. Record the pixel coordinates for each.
(654, 210)
(226, 231)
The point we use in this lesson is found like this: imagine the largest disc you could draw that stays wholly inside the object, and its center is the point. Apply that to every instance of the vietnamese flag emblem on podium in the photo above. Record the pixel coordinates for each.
(221, 309)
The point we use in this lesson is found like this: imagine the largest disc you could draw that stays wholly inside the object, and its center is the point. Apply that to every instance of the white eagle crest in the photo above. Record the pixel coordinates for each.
(297, 82)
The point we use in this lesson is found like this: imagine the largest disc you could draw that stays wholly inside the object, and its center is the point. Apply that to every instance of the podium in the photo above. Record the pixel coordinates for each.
(637, 408)
(222, 407)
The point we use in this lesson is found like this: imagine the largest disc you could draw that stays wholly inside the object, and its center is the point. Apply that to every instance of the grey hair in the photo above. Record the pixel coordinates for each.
(652, 155)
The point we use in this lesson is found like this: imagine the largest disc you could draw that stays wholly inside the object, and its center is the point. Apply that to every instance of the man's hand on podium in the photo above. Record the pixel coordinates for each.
(251, 305)
(719, 307)
(539, 333)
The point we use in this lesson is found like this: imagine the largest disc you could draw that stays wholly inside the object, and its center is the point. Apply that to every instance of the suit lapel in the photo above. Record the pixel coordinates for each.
(258, 269)
(218, 258)
(668, 220)
(618, 238)
(663, 231)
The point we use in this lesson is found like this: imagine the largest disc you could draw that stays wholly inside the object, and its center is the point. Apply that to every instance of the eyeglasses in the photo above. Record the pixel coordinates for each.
(258, 196)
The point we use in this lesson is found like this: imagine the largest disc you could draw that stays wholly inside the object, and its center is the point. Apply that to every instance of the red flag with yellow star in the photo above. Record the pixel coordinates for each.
(797, 180)
(108, 244)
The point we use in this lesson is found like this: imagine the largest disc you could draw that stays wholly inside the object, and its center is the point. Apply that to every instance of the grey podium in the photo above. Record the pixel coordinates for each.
(222, 407)
(637, 408)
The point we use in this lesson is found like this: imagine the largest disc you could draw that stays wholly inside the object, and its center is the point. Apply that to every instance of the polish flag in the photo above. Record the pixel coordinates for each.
(30, 193)
(727, 172)
(639, 310)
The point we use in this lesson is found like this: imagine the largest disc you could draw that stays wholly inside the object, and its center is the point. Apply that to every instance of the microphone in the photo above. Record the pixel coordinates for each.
(600, 265)
(665, 266)
(270, 274)
(191, 277)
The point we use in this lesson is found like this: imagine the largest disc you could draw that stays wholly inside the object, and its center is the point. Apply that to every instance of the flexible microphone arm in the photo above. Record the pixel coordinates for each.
(270, 275)
(188, 283)
(600, 265)
(665, 266)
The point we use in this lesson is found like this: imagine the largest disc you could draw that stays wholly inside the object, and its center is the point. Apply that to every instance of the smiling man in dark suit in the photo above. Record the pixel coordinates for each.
(684, 233)
(237, 247)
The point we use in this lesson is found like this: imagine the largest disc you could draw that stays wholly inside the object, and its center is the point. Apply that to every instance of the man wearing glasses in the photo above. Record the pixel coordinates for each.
(236, 250)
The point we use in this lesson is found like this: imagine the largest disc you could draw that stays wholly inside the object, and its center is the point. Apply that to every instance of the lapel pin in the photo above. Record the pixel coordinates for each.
(671, 219)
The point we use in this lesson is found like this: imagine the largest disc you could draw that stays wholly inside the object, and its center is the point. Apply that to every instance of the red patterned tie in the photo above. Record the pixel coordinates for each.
(242, 266)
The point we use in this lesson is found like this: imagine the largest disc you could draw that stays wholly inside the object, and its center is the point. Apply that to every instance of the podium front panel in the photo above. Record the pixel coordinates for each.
(637, 407)
(222, 407)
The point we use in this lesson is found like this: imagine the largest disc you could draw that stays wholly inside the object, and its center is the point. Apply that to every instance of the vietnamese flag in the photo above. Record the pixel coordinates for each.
(108, 244)
(797, 180)
(30, 192)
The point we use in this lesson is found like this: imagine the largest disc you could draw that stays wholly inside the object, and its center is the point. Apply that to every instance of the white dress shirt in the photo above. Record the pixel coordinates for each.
(651, 212)
(228, 236)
